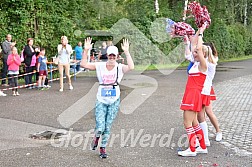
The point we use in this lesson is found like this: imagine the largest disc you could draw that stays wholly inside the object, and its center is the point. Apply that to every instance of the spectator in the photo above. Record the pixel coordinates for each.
(78, 55)
(30, 61)
(6, 49)
(64, 52)
(14, 62)
(36, 65)
(42, 69)
(103, 52)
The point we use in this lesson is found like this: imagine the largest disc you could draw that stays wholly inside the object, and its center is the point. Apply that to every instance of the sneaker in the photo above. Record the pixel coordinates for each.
(218, 136)
(2, 93)
(200, 150)
(5, 85)
(207, 143)
(70, 87)
(17, 94)
(187, 153)
(48, 86)
(103, 152)
(94, 143)
(61, 90)
(14, 93)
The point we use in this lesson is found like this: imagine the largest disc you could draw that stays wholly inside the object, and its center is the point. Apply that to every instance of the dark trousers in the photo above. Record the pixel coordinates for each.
(14, 81)
(28, 78)
(4, 71)
(78, 66)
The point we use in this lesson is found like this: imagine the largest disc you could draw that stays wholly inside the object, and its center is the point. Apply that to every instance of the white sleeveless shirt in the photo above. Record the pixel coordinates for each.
(108, 77)
(211, 69)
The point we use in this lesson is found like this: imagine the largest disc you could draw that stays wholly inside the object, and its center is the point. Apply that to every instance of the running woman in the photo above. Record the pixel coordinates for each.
(192, 100)
(109, 75)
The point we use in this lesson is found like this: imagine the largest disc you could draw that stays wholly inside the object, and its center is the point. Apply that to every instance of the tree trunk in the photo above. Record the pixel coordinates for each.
(245, 12)
(156, 6)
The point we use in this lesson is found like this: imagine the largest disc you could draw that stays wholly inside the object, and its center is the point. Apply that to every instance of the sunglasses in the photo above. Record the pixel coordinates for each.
(112, 55)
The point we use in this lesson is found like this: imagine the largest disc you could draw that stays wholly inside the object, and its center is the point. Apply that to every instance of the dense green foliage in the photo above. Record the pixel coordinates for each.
(46, 21)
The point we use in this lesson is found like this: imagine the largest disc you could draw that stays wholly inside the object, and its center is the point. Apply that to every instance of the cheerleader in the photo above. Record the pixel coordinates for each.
(207, 92)
(192, 99)
(209, 95)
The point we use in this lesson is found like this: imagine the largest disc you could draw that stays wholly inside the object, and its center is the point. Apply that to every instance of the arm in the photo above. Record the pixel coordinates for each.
(188, 52)
(17, 60)
(6, 48)
(28, 52)
(60, 49)
(9, 60)
(87, 45)
(38, 67)
(69, 49)
(125, 48)
(202, 60)
(39, 60)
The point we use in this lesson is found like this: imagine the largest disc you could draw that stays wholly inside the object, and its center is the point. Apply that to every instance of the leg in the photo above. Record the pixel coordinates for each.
(30, 75)
(110, 116)
(26, 76)
(16, 83)
(12, 83)
(37, 78)
(39, 81)
(202, 122)
(67, 71)
(214, 121)
(43, 80)
(100, 113)
(199, 133)
(212, 117)
(4, 71)
(33, 69)
(189, 116)
(61, 76)
(78, 66)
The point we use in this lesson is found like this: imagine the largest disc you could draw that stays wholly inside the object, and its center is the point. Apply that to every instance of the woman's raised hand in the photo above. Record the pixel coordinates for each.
(87, 44)
(125, 45)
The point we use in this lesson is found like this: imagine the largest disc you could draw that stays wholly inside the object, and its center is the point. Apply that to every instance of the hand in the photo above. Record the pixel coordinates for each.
(125, 45)
(13, 44)
(88, 43)
(203, 27)
(186, 39)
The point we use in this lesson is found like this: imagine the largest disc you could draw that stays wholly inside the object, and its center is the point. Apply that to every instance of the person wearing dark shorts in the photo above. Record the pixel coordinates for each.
(42, 69)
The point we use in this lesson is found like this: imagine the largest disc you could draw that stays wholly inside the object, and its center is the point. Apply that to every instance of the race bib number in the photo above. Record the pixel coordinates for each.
(108, 92)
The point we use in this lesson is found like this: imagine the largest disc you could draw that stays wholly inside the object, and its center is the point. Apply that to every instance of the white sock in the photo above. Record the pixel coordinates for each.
(204, 127)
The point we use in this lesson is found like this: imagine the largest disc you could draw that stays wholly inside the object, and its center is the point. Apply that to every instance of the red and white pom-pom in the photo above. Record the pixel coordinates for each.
(201, 14)
(182, 29)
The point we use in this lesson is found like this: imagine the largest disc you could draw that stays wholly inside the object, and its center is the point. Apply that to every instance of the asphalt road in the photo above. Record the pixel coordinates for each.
(156, 125)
